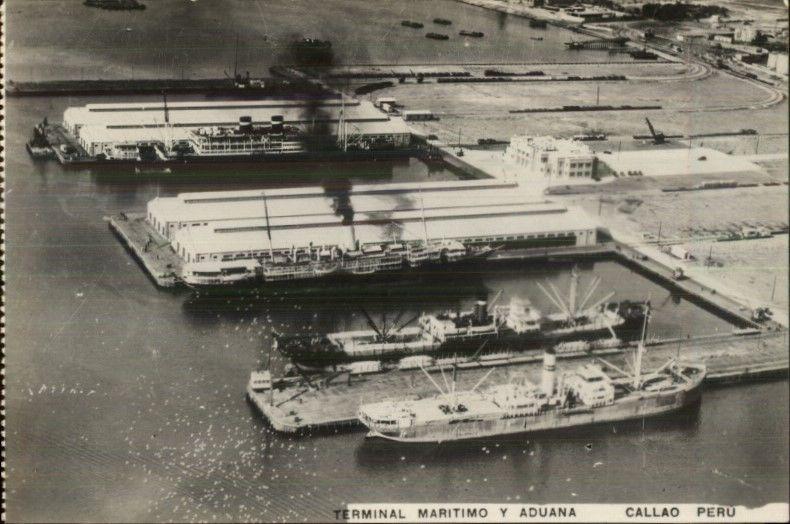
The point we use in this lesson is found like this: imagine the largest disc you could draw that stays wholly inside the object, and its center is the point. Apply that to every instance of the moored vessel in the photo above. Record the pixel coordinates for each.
(502, 328)
(585, 396)
(315, 262)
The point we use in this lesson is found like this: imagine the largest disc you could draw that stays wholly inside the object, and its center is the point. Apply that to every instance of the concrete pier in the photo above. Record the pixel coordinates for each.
(151, 249)
(301, 407)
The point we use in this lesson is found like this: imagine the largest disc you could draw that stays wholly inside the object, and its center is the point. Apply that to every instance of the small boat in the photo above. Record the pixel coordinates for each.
(536, 37)
(475, 34)
(442, 21)
(437, 36)
(409, 23)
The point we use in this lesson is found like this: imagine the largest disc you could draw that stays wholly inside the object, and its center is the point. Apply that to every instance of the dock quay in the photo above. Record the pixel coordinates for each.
(302, 408)
(163, 265)
(153, 86)
(151, 250)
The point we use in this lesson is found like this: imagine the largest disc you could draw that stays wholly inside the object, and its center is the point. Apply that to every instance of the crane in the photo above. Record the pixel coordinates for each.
(656, 136)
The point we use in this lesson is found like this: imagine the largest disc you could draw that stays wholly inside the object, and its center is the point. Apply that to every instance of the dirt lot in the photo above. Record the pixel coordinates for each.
(756, 268)
(695, 213)
(713, 104)
(748, 267)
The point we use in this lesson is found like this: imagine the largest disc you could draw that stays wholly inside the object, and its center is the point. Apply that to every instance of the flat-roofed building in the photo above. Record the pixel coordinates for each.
(778, 62)
(550, 157)
(103, 128)
(247, 224)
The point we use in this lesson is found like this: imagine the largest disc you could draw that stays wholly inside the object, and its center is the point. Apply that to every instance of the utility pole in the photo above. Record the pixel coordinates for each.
(773, 289)
(600, 203)
(659, 231)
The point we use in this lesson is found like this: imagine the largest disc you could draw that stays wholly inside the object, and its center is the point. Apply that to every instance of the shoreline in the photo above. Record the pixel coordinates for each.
(526, 12)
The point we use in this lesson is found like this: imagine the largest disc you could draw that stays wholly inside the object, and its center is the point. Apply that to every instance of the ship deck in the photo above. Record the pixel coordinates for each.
(300, 408)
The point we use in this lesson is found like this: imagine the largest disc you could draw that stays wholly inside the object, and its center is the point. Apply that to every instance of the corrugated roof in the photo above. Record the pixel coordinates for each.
(505, 222)
(158, 132)
(204, 114)
(296, 202)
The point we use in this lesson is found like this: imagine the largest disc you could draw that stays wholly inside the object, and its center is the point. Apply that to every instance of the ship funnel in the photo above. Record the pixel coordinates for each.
(481, 311)
(549, 371)
(277, 124)
(245, 124)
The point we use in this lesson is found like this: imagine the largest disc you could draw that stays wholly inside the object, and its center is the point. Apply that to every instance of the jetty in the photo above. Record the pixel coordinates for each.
(302, 407)
(148, 247)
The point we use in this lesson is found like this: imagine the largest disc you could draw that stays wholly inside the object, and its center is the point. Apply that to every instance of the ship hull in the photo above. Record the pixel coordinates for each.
(639, 406)
(502, 341)
(342, 276)
(189, 161)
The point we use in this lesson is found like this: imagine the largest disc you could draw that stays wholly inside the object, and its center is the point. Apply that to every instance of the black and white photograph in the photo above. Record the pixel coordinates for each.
(395, 261)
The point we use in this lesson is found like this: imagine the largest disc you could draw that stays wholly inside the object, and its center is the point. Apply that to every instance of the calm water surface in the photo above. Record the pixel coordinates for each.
(127, 403)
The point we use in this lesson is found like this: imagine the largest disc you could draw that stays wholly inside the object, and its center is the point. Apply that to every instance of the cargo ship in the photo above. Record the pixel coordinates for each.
(437, 36)
(475, 34)
(409, 23)
(585, 396)
(517, 326)
(442, 21)
(323, 262)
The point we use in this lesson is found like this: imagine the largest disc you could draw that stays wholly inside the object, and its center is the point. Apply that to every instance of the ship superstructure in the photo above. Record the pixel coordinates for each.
(584, 396)
(244, 140)
(512, 327)
(324, 261)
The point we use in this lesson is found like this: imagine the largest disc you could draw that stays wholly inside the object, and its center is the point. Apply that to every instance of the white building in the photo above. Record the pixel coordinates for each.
(746, 33)
(778, 62)
(102, 127)
(550, 157)
(231, 225)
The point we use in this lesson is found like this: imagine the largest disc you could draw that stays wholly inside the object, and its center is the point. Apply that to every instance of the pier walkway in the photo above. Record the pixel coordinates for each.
(301, 407)
(150, 248)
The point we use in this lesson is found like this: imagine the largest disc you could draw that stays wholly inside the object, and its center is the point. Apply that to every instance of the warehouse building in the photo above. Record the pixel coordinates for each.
(109, 127)
(238, 225)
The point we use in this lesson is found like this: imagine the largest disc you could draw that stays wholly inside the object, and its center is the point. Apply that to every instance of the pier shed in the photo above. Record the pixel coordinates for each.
(239, 225)
(104, 128)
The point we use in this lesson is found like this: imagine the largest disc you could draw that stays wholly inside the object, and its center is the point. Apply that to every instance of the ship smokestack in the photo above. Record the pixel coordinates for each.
(277, 123)
(549, 372)
(481, 311)
(245, 124)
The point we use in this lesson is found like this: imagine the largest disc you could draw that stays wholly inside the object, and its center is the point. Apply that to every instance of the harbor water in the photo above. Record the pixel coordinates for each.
(150, 44)
(125, 402)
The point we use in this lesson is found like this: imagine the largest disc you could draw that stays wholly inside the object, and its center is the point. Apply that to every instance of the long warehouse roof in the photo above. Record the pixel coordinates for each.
(508, 221)
(203, 114)
(316, 201)
(158, 132)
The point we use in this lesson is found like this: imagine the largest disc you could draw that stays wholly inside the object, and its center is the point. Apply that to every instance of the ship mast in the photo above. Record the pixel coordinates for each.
(573, 290)
(422, 215)
(640, 349)
(268, 228)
